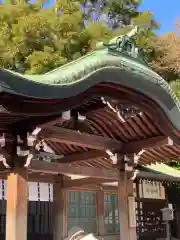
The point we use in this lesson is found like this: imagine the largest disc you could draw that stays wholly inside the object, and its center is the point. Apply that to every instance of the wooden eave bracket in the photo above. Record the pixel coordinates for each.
(112, 156)
(32, 141)
(4, 161)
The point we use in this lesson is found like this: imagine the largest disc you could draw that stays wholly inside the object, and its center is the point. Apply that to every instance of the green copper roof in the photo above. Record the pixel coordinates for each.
(159, 171)
(164, 169)
(114, 63)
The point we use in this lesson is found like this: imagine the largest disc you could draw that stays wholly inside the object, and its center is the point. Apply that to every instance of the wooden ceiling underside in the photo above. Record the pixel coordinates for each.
(101, 121)
(133, 135)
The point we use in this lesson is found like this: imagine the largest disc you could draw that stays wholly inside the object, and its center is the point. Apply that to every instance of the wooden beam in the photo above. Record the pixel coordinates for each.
(84, 181)
(83, 156)
(95, 188)
(63, 135)
(16, 210)
(58, 120)
(49, 178)
(32, 177)
(56, 168)
(154, 142)
(38, 177)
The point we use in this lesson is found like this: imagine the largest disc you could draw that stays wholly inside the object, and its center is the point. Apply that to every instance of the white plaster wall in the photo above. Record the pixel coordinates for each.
(37, 191)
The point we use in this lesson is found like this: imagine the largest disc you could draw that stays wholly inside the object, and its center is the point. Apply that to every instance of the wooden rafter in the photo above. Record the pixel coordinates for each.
(57, 168)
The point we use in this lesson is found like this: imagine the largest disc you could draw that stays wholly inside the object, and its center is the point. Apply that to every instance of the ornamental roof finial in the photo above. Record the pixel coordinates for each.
(125, 44)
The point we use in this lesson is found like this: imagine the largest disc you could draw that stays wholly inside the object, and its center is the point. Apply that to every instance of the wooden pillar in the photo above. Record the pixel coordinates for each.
(132, 210)
(100, 213)
(16, 209)
(123, 206)
(127, 208)
(59, 210)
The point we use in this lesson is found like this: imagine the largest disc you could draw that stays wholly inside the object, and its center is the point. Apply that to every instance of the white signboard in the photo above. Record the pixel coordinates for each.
(132, 211)
(151, 189)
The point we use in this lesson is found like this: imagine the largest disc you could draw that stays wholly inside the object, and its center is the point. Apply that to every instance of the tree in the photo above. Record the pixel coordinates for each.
(166, 58)
(175, 85)
(34, 40)
(116, 13)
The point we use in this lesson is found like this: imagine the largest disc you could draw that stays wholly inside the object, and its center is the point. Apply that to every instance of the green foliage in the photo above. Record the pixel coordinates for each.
(145, 38)
(175, 85)
(120, 13)
(35, 40)
(174, 163)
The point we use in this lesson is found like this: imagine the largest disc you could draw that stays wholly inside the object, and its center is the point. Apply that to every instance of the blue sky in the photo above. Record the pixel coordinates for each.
(165, 12)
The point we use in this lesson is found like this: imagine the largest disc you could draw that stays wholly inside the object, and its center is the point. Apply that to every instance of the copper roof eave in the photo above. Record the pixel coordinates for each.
(152, 96)
(35, 110)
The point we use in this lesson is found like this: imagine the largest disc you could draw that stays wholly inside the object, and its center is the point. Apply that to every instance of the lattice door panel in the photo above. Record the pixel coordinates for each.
(111, 213)
(82, 210)
(39, 220)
